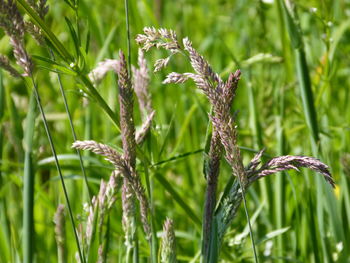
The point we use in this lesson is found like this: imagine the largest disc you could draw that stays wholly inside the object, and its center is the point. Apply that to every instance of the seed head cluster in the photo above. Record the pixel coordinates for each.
(13, 24)
(220, 95)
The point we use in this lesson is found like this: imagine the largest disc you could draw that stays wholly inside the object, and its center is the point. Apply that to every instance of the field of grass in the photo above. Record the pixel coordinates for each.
(292, 99)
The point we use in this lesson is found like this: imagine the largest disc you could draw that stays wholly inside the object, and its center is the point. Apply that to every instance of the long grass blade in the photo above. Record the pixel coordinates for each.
(177, 198)
(28, 184)
(63, 94)
(307, 97)
(53, 149)
(4, 236)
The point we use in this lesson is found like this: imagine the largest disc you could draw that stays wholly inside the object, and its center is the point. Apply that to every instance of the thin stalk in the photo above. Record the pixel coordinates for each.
(256, 128)
(15, 126)
(63, 94)
(211, 170)
(46, 31)
(101, 102)
(126, 5)
(69, 59)
(135, 257)
(311, 120)
(307, 96)
(5, 248)
(28, 184)
(76, 11)
(153, 240)
(280, 180)
(53, 149)
(279, 194)
(128, 254)
(128, 43)
(248, 219)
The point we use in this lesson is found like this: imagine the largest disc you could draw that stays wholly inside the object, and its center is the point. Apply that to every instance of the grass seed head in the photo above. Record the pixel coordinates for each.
(141, 83)
(126, 102)
(168, 252)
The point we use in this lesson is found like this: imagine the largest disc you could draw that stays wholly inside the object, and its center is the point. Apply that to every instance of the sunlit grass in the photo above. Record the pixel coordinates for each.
(294, 217)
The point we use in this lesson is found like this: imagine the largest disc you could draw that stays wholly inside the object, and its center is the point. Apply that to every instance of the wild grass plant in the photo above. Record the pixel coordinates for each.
(180, 160)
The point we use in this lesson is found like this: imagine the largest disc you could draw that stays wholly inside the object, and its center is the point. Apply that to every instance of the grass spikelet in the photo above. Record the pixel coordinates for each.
(126, 112)
(287, 162)
(60, 234)
(131, 178)
(168, 252)
(146, 126)
(12, 22)
(97, 74)
(140, 82)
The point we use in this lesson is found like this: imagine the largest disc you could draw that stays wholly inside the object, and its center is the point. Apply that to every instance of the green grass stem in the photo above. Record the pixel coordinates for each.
(81, 163)
(58, 167)
(28, 184)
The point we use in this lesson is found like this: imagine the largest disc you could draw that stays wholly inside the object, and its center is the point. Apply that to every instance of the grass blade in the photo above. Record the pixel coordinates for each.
(28, 184)
(73, 131)
(53, 149)
(177, 198)
(47, 32)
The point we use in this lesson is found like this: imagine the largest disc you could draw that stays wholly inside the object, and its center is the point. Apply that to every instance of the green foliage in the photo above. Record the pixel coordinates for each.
(294, 218)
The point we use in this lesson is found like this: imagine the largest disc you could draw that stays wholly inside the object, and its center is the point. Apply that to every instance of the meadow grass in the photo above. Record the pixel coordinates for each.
(160, 198)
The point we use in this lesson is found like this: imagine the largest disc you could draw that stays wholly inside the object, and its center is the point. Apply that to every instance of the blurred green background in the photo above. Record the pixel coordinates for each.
(313, 221)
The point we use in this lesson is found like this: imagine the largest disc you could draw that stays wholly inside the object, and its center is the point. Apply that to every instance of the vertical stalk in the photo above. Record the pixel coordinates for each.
(132, 163)
(311, 120)
(28, 184)
(53, 149)
(280, 180)
(279, 194)
(308, 106)
(5, 250)
(15, 126)
(211, 171)
(126, 4)
(69, 115)
(307, 96)
(153, 241)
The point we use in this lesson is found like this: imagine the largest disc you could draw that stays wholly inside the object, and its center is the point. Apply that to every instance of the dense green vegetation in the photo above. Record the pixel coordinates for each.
(292, 99)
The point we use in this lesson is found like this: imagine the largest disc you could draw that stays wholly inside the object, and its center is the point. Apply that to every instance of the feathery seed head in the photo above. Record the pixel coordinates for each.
(132, 183)
(146, 126)
(199, 64)
(287, 162)
(140, 83)
(161, 63)
(59, 225)
(177, 78)
(97, 74)
(168, 252)
(12, 22)
(128, 214)
(60, 232)
(126, 112)
(161, 38)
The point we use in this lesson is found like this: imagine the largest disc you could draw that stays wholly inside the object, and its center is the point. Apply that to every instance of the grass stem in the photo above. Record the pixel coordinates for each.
(53, 149)
(28, 184)
(63, 94)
